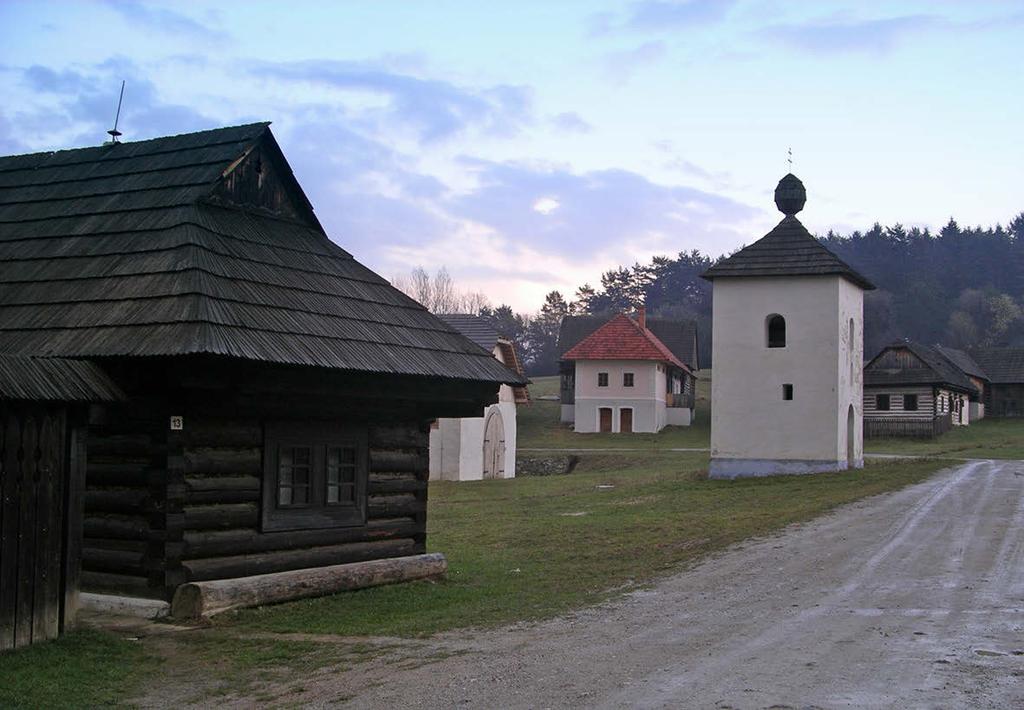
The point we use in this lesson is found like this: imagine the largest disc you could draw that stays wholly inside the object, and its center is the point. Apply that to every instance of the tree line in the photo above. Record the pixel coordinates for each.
(960, 286)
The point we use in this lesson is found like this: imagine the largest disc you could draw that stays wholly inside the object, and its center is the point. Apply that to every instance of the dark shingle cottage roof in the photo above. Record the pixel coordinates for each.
(788, 250)
(128, 250)
(54, 380)
(473, 327)
(679, 336)
(932, 369)
(964, 362)
(1002, 365)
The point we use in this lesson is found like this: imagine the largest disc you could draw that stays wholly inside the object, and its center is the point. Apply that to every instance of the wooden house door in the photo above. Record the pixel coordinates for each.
(626, 421)
(494, 446)
(33, 524)
(605, 419)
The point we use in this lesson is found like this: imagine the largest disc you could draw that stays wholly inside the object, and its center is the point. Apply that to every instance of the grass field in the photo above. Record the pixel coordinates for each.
(520, 549)
(983, 439)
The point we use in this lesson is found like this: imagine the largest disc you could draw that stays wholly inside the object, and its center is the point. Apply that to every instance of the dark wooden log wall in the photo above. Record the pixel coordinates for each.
(125, 513)
(220, 504)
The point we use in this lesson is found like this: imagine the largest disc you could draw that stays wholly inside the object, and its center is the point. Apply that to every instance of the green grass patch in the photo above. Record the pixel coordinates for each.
(983, 439)
(82, 669)
(534, 547)
(538, 425)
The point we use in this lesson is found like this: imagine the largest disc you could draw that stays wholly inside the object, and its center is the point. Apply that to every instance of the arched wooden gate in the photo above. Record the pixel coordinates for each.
(494, 446)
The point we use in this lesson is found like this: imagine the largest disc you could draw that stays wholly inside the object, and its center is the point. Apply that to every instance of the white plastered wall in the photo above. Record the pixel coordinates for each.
(646, 397)
(750, 420)
(457, 445)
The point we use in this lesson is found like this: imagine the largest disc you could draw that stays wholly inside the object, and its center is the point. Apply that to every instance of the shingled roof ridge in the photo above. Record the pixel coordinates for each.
(262, 125)
(338, 252)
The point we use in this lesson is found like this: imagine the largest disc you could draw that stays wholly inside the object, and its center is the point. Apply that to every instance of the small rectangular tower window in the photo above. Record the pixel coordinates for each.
(602, 379)
(787, 392)
(882, 402)
(910, 402)
(627, 379)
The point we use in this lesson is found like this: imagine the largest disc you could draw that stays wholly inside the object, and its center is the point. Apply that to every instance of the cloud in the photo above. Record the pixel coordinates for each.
(571, 122)
(437, 109)
(76, 107)
(830, 37)
(163, 20)
(669, 14)
(613, 212)
(623, 64)
(660, 16)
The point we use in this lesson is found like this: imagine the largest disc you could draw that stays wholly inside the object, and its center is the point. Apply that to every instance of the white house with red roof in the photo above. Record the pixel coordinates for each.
(628, 381)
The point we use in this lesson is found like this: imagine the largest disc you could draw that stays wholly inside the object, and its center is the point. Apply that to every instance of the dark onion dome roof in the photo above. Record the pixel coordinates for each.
(148, 249)
(55, 380)
(789, 249)
(933, 369)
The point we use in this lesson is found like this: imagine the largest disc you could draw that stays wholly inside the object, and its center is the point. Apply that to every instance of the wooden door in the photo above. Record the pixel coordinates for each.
(494, 446)
(33, 542)
(626, 421)
(605, 419)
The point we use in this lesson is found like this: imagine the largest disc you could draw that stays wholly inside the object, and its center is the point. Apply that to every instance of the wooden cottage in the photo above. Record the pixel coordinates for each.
(914, 390)
(1004, 389)
(278, 393)
(43, 408)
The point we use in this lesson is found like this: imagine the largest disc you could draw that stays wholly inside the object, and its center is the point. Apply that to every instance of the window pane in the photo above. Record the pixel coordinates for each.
(341, 474)
(293, 475)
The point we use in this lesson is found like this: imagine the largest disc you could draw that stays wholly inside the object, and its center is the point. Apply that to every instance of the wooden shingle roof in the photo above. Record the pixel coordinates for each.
(139, 249)
(964, 362)
(1002, 365)
(54, 380)
(789, 249)
(930, 368)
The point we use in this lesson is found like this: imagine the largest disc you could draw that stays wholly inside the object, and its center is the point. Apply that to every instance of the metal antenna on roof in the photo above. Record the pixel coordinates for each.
(113, 132)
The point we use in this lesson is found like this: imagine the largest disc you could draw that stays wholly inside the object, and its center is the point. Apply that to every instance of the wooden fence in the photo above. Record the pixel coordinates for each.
(905, 427)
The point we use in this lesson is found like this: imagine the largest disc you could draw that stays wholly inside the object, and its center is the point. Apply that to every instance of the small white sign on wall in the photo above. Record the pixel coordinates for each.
(177, 423)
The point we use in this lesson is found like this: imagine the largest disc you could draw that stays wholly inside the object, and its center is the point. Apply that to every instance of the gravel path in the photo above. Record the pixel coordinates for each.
(910, 599)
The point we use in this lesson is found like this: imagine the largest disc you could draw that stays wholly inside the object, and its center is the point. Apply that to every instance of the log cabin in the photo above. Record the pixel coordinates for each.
(277, 392)
(914, 390)
(1004, 388)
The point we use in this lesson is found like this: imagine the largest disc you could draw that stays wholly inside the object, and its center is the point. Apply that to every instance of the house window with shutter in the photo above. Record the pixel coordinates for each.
(314, 476)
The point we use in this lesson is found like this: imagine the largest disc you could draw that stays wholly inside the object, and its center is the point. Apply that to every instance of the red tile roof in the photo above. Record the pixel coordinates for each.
(622, 338)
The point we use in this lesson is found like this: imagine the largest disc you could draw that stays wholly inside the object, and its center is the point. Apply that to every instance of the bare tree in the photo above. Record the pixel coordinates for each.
(438, 294)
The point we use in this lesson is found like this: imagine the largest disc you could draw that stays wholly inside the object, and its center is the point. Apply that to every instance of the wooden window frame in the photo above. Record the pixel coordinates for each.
(602, 379)
(317, 513)
(628, 379)
(908, 398)
(879, 398)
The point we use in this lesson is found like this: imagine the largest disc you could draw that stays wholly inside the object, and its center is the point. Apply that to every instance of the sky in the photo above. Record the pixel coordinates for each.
(530, 146)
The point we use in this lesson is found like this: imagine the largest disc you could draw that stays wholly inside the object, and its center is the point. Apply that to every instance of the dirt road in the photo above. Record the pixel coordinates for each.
(911, 599)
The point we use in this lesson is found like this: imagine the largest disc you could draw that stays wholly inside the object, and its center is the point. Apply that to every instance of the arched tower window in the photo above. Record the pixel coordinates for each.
(776, 327)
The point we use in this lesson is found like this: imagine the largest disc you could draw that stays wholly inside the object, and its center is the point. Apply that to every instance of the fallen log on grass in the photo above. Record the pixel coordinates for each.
(196, 600)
